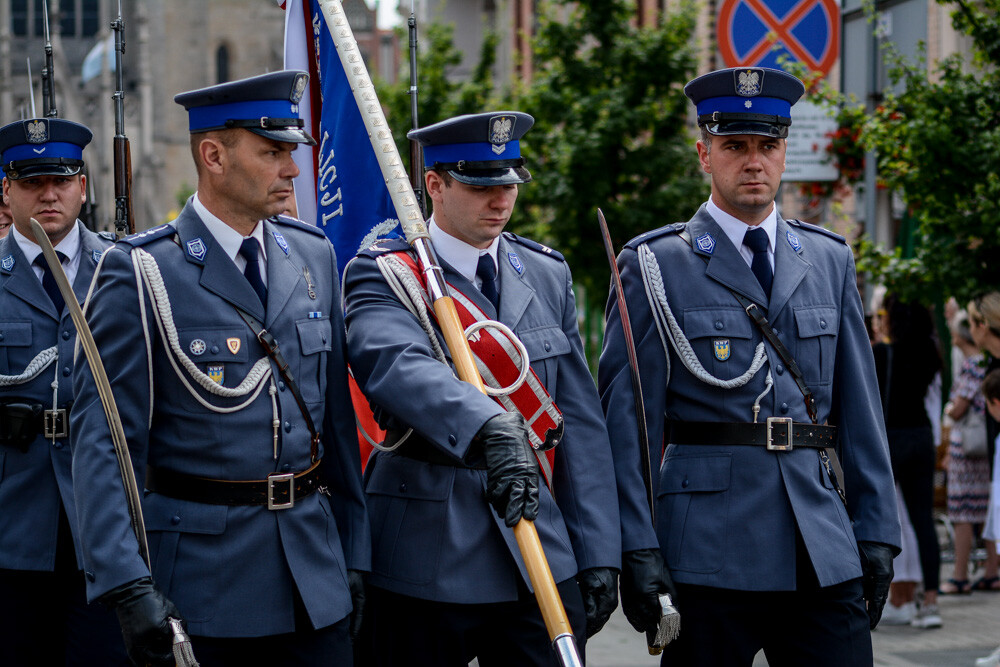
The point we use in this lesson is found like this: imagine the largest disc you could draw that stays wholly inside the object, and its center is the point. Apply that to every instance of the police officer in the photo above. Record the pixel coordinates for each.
(448, 582)
(44, 617)
(254, 509)
(5, 219)
(751, 525)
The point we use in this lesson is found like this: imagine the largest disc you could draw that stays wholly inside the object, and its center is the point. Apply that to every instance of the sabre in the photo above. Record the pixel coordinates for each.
(411, 221)
(669, 624)
(182, 644)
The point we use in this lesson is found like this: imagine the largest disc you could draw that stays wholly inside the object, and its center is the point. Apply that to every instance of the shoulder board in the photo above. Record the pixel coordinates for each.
(674, 228)
(107, 236)
(816, 228)
(533, 245)
(382, 246)
(142, 238)
(289, 221)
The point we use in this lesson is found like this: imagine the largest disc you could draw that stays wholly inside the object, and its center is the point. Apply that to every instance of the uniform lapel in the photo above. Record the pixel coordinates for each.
(515, 292)
(789, 267)
(88, 262)
(469, 289)
(219, 273)
(726, 265)
(283, 273)
(21, 280)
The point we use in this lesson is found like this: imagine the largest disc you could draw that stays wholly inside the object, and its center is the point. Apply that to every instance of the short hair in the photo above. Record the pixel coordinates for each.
(445, 176)
(226, 137)
(991, 385)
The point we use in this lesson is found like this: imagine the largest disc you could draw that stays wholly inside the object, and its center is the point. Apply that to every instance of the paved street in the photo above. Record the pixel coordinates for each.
(971, 630)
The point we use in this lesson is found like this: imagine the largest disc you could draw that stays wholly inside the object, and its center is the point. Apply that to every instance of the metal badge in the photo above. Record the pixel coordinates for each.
(97, 255)
(793, 241)
(299, 88)
(706, 243)
(198, 347)
(309, 283)
(7, 262)
(37, 131)
(501, 130)
(196, 248)
(280, 240)
(233, 344)
(749, 82)
(515, 261)
(721, 348)
(217, 373)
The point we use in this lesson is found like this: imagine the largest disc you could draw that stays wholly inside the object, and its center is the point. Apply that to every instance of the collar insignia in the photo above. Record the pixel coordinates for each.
(196, 248)
(793, 241)
(97, 255)
(280, 240)
(7, 262)
(515, 261)
(706, 243)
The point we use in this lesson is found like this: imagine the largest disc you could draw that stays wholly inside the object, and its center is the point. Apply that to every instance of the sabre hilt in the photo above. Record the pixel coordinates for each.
(183, 653)
(667, 629)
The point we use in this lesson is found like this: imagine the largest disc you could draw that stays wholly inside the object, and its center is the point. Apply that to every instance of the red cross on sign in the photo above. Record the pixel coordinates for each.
(756, 33)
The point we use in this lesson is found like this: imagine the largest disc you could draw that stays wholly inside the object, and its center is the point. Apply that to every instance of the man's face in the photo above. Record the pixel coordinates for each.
(5, 218)
(746, 171)
(54, 201)
(475, 214)
(257, 179)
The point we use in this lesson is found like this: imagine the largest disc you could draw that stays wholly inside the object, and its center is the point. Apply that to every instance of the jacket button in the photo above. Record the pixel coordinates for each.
(215, 349)
(288, 427)
(286, 468)
(822, 324)
(67, 371)
(719, 326)
(1, 335)
(784, 408)
(90, 576)
(66, 335)
(548, 346)
(57, 444)
(281, 385)
(452, 440)
(685, 483)
(175, 519)
(779, 369)
(402, 487)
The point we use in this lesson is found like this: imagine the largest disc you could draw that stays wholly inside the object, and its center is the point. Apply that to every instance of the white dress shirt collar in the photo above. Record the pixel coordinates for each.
(228, 238)
(735, 229)
(69, 246)
(459, 254)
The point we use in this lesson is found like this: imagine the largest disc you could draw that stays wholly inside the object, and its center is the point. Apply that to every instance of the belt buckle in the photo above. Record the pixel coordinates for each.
(55, 424)
(779, 446)
(280, 478)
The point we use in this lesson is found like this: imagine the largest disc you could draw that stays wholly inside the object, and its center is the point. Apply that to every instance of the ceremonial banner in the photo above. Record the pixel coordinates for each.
(350, 201)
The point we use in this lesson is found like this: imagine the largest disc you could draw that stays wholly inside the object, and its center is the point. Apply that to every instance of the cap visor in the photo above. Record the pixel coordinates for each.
(291, 135)
(508, 176)
(43, 170)
(747, 127)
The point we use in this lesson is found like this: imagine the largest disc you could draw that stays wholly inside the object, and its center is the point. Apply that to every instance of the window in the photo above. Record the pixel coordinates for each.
(222, 64)
(77, 18)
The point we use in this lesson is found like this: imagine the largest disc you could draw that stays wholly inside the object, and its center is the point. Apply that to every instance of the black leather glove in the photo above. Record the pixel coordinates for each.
(356, 582)
(599, 588)
(511, 468)
(644, 578)
(143, 612)
(876, 574)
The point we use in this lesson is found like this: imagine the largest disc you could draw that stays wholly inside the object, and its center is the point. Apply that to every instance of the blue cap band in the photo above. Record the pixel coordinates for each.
(470, 152)
(50, 149)
(215, 117)
(735, 104)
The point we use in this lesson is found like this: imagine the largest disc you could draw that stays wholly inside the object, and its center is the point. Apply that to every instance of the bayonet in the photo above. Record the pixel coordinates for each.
(124, 218)
(48, 72)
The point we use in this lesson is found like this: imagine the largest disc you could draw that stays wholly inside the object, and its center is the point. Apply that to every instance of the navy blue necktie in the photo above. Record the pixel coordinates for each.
(49, 280)
(756, 240)
(486, 271)
(249, 250)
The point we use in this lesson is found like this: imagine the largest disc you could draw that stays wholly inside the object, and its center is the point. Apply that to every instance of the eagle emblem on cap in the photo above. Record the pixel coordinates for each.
(748, 82)
(299, 88)
(501, 129)
(38, 131)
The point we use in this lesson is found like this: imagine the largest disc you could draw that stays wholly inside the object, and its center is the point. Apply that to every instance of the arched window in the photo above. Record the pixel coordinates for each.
(222, 64)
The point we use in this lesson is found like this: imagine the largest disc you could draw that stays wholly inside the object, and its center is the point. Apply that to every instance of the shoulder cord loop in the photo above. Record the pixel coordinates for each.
(41, 361)
(670, 330)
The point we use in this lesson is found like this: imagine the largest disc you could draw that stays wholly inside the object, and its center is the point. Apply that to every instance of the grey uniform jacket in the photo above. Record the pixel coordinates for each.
(434, 535)
(727, 515)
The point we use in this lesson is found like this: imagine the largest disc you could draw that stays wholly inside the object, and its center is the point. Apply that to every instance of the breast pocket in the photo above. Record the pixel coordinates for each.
(315, 338)
(816, 345)
(408, 507)
(722, 338)
(15, 346)
(693, 511)
(544, 346)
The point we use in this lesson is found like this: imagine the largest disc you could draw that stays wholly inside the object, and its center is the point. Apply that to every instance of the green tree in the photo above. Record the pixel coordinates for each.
(610, 131)
(937, 141)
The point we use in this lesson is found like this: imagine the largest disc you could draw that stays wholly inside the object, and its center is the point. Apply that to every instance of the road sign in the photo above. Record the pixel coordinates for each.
(756, 33)
(806, 158)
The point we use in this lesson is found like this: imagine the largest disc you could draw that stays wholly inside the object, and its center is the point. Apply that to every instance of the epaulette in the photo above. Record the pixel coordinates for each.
(382, 246)
(534, 245)
(289, 221)
(674, 228)
(816, 228)
(142, 238)
(107, 236)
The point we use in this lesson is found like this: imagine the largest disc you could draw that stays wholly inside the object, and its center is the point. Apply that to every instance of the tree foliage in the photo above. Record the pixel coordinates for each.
(937, 142)
(610, 131)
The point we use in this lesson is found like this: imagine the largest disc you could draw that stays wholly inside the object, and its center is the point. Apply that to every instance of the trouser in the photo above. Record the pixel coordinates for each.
(911, 451)
(402, 631)
(45, 618)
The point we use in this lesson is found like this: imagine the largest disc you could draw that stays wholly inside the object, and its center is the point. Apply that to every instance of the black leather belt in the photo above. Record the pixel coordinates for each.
(777, 434)
(22, 420)
(279, 491)
(418, 448)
